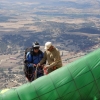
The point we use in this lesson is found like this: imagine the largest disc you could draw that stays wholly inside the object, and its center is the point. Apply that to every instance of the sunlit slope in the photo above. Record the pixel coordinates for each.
(79, 80)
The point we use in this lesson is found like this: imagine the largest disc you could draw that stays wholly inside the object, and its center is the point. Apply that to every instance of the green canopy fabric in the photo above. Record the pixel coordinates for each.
(79, 80)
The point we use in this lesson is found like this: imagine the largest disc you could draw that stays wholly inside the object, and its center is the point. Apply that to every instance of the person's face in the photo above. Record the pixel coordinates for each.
(36, 50)
(50, 49)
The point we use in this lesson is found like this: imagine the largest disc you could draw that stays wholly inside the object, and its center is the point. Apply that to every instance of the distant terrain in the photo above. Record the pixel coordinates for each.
(72, 25)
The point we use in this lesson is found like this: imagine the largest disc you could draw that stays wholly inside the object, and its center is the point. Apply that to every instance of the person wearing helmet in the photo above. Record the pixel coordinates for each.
(52, 56)
(33, 57)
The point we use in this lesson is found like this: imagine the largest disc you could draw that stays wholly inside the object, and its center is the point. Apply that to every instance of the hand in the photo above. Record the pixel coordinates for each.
(38, 64)
(34, 65)
(45, 68)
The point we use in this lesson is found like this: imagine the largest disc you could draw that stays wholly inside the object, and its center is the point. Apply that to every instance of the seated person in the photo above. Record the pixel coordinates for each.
(32, 58)
(52, 56)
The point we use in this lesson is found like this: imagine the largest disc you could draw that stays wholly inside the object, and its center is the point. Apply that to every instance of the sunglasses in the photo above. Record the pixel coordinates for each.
(36, 48)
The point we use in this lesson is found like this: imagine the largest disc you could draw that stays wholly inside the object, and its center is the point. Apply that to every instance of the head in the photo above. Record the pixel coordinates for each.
(36, 47)
(48, 46)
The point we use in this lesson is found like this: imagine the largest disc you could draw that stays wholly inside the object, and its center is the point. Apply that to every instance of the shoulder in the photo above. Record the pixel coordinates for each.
(28, 53)
(56, 51)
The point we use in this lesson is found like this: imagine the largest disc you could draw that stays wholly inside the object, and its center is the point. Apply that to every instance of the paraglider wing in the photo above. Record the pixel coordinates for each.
(79, 80)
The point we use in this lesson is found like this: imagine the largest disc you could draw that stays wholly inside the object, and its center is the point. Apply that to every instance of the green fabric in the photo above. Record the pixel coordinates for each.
(79, 80)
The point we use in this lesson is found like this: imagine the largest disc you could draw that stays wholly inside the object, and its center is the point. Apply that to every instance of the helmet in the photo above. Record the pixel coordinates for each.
(36, 45)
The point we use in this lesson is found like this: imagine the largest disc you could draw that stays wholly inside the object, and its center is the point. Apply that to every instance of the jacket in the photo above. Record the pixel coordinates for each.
(34, 58)
(53, 57)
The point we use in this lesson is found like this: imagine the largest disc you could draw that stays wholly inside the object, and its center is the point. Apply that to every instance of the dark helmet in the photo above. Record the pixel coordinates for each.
(36, 45)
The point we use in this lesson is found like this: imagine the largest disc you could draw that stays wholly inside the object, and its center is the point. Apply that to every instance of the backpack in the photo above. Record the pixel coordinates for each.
(30, 49)
(28, 70)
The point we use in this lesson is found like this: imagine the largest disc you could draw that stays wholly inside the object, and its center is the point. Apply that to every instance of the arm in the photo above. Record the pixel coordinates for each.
(43, 59)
